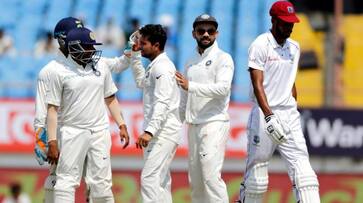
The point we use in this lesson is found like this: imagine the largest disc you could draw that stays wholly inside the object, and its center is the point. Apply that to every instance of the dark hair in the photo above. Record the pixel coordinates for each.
(154, 33)
(15, 189)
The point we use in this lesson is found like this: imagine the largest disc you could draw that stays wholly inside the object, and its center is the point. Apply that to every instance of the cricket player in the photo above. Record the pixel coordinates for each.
(41, 146)
(80, 89)
(274, 122)
(161, 99)
(204, 105)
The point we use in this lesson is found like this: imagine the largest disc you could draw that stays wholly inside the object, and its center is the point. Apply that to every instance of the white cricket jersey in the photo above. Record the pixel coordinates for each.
(161, 96)
(279, 65)
(42, 85)
(210, 77)
(81, 93)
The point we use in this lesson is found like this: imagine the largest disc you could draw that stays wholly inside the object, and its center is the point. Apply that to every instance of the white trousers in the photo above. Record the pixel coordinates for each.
(155, 175)
(77, 145)
(207, 144)
(293, 152)
(50, 183)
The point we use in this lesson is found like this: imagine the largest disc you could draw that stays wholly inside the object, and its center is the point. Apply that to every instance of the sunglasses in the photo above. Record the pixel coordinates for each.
(210, 31)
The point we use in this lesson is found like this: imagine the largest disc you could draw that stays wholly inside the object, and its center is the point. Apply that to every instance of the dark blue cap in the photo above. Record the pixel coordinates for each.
(65, 25)
(82, 35)
(205, 18)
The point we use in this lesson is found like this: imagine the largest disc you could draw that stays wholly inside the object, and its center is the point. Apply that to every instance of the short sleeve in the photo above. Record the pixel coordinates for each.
(54, 91)
(256, 56)
(109, 86)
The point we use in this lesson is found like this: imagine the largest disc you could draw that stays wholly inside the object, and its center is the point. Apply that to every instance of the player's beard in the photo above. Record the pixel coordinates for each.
(145, 54)
(284, 34)
(205, 46)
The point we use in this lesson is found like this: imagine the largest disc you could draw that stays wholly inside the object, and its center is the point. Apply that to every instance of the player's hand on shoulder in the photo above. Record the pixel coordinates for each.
(275, 130)
(181, 80)
(124, 135)
(144, 140)
(53, 152)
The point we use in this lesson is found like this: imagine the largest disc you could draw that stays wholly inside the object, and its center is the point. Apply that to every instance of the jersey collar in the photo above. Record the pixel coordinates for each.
(158, 58)
(274, 43)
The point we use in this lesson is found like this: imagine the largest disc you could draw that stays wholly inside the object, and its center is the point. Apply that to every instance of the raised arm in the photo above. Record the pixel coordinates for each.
(118, 64)
(138, 70)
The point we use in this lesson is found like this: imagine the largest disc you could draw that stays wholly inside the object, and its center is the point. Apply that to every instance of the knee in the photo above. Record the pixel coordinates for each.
(305, 183)
(66, 183)
(149, 178)
(257, 180)
(304, 175)
(148, 175)
(100, 188)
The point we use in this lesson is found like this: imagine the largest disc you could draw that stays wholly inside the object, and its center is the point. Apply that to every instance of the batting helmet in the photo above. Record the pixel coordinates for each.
(65, 25)
(80, 44)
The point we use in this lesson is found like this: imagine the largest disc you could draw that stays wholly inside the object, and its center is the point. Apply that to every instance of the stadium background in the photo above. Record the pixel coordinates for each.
(330, 88)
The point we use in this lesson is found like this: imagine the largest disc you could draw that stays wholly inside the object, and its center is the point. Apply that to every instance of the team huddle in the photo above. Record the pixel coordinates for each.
(75, 91)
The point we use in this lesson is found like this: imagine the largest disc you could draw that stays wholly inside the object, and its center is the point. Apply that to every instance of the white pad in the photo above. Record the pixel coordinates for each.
(306, 185)
(255, 185)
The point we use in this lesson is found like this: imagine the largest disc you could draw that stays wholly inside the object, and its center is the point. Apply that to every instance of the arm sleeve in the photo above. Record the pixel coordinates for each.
(222, 85)
(118, 64)
(256, 57)
(109, 86)
(164, 83)
(40, 105)
(54, 90)
(137, 69)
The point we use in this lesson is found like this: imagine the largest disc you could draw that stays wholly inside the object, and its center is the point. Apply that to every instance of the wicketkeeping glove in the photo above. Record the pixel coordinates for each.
(132, 41)
(275, 129)
(41, 145)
